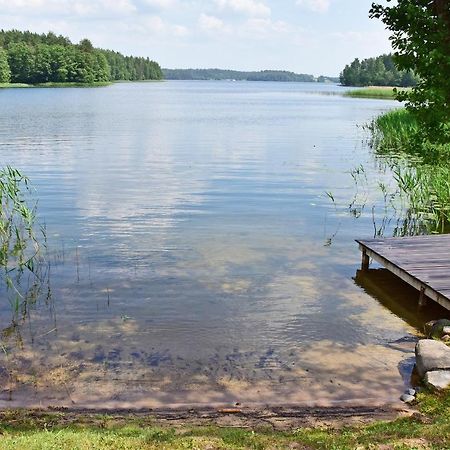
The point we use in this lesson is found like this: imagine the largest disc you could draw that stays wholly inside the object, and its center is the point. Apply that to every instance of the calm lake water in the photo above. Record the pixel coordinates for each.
(195, 254)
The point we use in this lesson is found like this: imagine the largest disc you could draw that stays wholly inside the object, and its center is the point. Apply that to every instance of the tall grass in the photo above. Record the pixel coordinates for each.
(20, 245)
(377, 92)
(421, 169)
(395, 132)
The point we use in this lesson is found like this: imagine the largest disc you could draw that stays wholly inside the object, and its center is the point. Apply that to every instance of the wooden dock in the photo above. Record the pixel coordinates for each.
(421, 261)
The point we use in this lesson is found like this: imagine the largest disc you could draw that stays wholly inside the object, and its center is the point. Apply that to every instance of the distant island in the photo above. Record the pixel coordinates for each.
(263, 75)
(35, 59)
(379, 71)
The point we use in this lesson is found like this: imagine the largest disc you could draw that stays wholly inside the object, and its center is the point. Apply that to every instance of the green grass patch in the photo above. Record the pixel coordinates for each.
(395, 132)
(429, 428)
(383, 93)
(68, 85)
(14, 85)
(55, 85)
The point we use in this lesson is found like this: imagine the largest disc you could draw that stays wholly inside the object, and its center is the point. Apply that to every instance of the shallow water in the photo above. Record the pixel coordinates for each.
(195, 255)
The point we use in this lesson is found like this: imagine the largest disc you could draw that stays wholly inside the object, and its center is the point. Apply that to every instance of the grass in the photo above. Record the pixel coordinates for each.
(394, 132)
(429, 428)
(421, 169)
(378, 92)
(55, 85)
(20, 247)
(14, 85)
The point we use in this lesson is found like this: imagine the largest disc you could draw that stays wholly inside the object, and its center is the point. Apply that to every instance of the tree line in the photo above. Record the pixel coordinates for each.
(379, 71)
(222, 74)
(32, 58)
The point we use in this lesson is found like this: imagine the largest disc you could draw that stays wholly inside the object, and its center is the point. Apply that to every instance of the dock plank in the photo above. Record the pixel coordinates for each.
(421, 261)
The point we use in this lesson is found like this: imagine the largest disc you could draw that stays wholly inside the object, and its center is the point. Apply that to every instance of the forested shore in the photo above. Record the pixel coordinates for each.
(262, 75)
(379, 71)
(33, 58)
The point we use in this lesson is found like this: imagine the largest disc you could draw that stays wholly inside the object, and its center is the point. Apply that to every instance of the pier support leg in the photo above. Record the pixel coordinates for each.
(422, 298)
(365, 261)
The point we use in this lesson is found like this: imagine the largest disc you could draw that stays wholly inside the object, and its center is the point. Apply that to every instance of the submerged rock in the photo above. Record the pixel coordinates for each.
(407, 398)
(438, 379)
(435, 329)
(428, 327)
(431, 355)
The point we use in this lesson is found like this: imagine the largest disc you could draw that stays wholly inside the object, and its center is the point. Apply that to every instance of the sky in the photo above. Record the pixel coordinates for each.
(305, 36)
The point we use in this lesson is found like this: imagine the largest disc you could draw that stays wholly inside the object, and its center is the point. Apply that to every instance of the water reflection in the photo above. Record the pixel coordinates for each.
(399, 297)
(186, 226)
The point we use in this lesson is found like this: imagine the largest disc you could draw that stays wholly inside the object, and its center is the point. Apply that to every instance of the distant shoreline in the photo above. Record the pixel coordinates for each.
(237, 75)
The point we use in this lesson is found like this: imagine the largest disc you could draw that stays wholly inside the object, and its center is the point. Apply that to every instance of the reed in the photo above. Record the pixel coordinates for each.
(20, 245)
(376, 92)
(421, 169)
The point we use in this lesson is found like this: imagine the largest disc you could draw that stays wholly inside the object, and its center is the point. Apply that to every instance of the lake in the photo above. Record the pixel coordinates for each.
(201, 248)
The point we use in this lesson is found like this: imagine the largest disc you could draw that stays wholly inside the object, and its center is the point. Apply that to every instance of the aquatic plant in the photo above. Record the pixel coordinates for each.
(421, 170)
(20, 245)
(377, 92)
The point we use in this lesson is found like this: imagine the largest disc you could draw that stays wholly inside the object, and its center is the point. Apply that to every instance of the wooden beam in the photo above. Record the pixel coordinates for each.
(422, 279)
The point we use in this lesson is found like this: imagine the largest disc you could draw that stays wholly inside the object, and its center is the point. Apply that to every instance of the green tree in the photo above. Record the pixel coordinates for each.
(40, 58)
(421, 40)
(5, 72)
(85, 45)
(21, 62)
(379, 71)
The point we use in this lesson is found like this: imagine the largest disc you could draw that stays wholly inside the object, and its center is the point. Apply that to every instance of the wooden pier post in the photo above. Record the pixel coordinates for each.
(422, 298)
(365, 261)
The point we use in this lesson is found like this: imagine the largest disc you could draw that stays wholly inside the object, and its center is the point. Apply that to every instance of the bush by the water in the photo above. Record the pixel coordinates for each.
(421, 168)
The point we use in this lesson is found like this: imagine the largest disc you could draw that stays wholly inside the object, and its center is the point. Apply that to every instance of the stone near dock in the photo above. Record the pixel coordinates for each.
(436, 329)
(428, 327)
(438, 379)
(407, 398)
(431, 355)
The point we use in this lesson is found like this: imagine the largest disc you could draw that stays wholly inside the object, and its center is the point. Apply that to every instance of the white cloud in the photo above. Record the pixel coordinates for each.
(85, 8)
(320, 6)
(252, 8)
(160, 3)
(212, 23)
(259, 27)
(180, 31)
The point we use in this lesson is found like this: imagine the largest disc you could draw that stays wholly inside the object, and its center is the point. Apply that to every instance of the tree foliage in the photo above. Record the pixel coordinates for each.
(40, 58)
(421, 40)
(221, 74)
(379, 71)
(5, 72)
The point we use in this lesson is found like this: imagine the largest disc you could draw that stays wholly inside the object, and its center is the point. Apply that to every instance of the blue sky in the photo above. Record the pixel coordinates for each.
(308, 36)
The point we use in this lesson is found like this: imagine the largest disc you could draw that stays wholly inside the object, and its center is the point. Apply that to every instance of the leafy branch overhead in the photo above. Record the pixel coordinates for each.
(421, 40)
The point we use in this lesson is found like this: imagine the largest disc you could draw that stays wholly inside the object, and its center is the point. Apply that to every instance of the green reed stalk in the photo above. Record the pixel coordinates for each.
(421, 169)
(19, 245)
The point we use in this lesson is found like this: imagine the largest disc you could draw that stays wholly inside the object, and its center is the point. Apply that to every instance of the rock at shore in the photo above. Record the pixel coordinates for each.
(438, 379)
(431, 355)
(437, 328)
